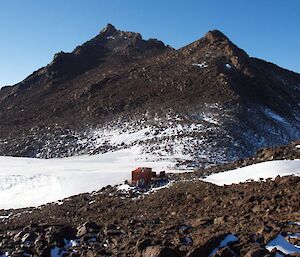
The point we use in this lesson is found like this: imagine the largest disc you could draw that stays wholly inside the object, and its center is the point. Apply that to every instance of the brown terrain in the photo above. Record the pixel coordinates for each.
(188, 218)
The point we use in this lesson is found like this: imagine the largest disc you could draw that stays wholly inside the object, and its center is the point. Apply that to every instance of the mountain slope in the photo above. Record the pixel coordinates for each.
(207, 102)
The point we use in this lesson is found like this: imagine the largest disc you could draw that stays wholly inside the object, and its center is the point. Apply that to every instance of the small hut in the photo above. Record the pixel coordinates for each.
(141, 177)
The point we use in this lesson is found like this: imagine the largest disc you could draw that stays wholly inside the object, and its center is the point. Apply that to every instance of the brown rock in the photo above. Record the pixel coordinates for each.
(256, 252)
(224, 252)
(219, 220)
(88, 227)
(158, 251)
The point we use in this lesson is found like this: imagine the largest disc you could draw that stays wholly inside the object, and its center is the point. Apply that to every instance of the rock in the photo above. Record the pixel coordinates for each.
(206, 248)
(224, 252)
(46, 252)
(219, 220)
(256, 252)
(18, 236)
(143, 244)
(31, 236)
(88, 227)
(113, 230)
(215, 35)
(62, 234)
(158, 251)
(264, 229)
(257, 208)
(91, 254)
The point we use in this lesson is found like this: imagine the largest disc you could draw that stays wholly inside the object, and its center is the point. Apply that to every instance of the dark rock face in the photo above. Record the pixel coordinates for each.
(118, 77)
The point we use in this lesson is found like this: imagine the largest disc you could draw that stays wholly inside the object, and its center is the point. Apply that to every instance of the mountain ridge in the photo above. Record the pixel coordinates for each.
(237, 103)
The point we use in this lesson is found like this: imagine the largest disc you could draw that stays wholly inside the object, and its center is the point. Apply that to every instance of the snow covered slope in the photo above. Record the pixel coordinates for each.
(264, 170)
(28, 182)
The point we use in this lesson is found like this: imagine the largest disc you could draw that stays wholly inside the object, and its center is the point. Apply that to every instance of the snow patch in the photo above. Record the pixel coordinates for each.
(209, 118)
(125, 188)
(264, 170)
(294, 235)
(281, 244)
(228, 239)
(295, 223)
(200, 65)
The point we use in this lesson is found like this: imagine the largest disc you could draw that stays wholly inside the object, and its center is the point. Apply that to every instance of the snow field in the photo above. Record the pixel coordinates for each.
(26, 182)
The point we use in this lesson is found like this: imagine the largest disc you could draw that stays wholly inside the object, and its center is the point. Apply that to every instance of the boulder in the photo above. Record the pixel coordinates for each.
(86, 228)
(224, 252)
(143, 244)
(31, 236)
(159, 251)
(256, 252)
(64, 233)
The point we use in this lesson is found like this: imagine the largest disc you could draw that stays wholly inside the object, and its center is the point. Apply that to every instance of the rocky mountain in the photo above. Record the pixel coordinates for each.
(205, 103)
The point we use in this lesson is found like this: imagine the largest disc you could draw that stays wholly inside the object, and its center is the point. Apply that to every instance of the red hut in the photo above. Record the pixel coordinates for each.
(141, 177)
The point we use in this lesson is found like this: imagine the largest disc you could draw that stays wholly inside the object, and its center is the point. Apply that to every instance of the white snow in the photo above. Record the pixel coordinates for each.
(200, 65)
(71, 243)
(228, 239)
(281, 244)
(294, 235)
(124, 187)
(228, 66)
(5, 217)
(28, 182)
(127, 137)
(210, 118)
(264, 170)
(295, 223)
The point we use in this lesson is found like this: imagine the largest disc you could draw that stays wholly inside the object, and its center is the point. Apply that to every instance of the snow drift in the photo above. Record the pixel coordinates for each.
(264, 170)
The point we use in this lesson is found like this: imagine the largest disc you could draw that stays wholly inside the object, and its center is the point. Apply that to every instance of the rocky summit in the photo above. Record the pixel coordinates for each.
(205, 103)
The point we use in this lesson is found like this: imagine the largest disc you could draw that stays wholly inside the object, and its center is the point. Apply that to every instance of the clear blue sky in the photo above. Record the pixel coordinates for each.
(31, 31)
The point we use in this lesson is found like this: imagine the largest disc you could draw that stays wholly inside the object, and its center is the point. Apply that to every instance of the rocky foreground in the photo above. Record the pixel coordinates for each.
(188, 218)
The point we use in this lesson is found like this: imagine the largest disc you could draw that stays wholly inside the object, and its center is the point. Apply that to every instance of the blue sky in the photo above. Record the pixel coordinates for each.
(31, 31)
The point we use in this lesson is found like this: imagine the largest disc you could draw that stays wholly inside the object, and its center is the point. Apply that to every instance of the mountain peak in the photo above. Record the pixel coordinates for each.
(108, 29)
(215, 36)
